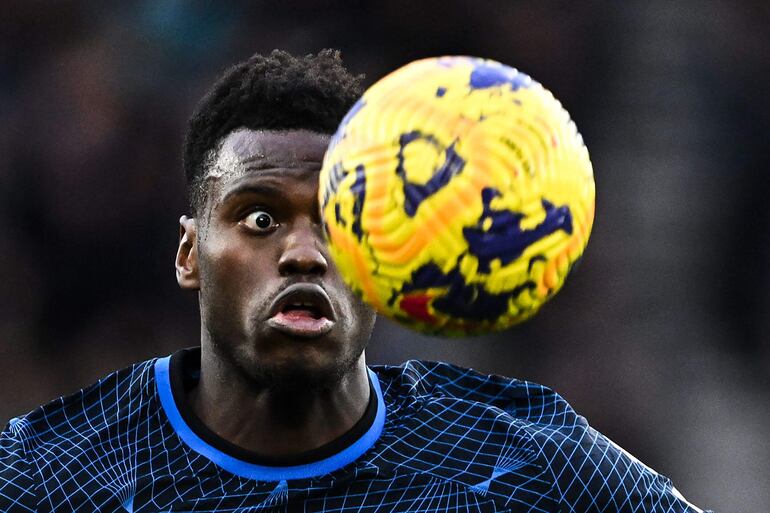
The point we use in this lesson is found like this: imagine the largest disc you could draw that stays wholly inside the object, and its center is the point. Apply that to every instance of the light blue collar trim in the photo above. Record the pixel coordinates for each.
(262, 472)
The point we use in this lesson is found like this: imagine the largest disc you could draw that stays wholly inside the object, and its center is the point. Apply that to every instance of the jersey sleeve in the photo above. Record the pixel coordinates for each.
(18, 475)
(592, 473)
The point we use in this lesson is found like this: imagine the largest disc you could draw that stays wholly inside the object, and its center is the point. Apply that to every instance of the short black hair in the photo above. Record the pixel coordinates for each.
(275, 92)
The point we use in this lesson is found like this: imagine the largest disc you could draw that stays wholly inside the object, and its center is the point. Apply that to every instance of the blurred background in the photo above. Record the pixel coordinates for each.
(661, 337)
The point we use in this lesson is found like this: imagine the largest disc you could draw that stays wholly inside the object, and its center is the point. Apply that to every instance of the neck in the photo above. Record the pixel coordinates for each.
(277, 421)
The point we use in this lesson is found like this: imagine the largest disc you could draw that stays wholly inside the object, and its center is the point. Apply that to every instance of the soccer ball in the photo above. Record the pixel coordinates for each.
(456, 196)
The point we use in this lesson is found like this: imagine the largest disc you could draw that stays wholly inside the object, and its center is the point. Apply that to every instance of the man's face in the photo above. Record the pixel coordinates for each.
(272, 301)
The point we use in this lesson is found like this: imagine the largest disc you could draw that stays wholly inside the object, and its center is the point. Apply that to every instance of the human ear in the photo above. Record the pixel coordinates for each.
(187, 255)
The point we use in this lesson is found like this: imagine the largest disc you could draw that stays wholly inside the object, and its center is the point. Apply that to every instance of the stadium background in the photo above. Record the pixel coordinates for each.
(660, 337)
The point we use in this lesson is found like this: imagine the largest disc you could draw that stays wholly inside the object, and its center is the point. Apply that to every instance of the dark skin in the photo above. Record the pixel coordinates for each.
(273, 383)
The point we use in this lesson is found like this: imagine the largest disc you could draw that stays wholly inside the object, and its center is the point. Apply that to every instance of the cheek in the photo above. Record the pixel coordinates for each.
(356, 314)
(234, 273)
(359, 315)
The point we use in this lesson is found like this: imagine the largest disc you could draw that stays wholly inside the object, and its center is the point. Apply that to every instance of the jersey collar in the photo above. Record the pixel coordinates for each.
(195, 436)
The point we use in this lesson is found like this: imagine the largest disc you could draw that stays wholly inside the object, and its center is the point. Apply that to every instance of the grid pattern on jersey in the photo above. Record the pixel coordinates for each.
(454, 440)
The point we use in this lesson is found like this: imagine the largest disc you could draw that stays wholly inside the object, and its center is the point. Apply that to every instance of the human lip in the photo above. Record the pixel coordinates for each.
(302, 310)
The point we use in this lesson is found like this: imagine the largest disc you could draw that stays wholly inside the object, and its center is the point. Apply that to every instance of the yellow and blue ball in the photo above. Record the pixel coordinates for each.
(456, 195)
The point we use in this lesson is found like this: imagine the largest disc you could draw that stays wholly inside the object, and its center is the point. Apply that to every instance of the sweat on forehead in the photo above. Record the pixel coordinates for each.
(245, 150)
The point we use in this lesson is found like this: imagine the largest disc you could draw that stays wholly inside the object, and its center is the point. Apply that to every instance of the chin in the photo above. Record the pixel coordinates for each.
(300, 369)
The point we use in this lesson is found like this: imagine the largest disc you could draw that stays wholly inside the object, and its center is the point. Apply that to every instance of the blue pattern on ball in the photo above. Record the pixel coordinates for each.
(462, 301)
(505, 240)
(415, 194)
(359, 191)
(486, 75)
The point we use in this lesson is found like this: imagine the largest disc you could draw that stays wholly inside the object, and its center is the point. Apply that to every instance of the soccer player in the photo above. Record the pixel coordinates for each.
(277, 409)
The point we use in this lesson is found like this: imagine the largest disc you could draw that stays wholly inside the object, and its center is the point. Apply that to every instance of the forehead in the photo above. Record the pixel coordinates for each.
(244, 151)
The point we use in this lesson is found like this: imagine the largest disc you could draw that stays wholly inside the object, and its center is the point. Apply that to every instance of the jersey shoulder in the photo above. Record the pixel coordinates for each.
(480, 432)
(74, 423)
(66, 433)
(18, 477)
(418, 381)
(520, 439)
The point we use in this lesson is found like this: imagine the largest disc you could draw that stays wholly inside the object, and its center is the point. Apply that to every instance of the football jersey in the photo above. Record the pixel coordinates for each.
(434, 437)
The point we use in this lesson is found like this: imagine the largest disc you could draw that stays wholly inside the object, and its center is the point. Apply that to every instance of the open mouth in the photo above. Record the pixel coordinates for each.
(302, 310)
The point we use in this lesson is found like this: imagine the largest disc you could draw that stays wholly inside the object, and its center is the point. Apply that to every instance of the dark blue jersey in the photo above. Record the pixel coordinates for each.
(435, 437)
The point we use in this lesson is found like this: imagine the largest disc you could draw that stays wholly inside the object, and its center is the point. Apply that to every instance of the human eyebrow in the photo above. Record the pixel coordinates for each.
(259, 164)
(254, 189)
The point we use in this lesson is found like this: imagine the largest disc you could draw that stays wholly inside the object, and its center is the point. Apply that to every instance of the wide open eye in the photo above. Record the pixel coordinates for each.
(259, 221)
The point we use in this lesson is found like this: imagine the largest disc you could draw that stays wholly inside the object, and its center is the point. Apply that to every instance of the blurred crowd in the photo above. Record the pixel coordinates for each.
(660, 337)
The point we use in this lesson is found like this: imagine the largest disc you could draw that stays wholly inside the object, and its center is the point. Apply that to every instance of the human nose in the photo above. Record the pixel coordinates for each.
(303, 253)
